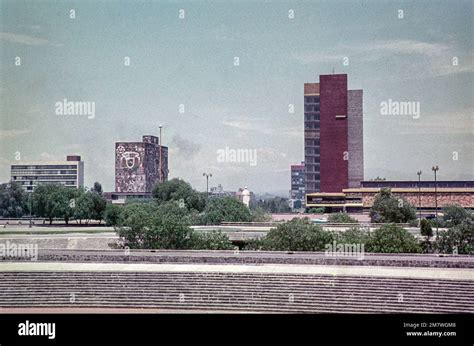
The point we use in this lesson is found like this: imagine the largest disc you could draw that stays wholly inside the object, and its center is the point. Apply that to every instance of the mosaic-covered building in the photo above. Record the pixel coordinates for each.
(140, 165)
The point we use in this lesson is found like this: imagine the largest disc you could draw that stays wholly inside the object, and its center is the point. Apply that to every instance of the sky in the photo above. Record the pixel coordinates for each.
(418, 52)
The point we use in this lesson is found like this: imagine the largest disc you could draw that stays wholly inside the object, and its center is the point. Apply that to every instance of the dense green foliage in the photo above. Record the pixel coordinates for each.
(392, 239)
(295, 235)
(387, 208)
(458, 239)
(58, 201)
(13, 200)
(112, 214)
(455, 215)
(164, 226)
(425, 228)
(180, 191)
(225, 209)
(341, 218)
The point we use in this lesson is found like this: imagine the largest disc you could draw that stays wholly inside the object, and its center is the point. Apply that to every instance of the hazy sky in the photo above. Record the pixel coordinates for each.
(190, 61)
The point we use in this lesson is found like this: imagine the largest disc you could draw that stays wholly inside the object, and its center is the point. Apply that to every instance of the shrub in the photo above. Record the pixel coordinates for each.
(460, 237)
(392, 239)
(425, 228)
(354, 235)
(214, 240)
(455, 215)
(388, 209)
(316, 211)
(226, 209)
(296, 235)
(341, 218)
(112, 215)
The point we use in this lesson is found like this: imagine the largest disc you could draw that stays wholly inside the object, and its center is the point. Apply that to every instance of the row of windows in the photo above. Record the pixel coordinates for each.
(311, 125)
(312, 151)
(312, 159)
(311, 99)
(45, 177)
(23, 183)
(44, 171)
(311, 108)
(312, 142)
(313, 187)
(311, 117)
(44, 167)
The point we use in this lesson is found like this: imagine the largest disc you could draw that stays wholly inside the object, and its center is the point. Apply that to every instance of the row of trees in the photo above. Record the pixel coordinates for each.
(58, 201)
(53, 201)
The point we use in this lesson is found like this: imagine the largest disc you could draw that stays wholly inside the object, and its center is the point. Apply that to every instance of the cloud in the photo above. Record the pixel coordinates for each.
(22, 39)
(48, 156)
(8, 134)
(184, 148)
(263, 127)
(433, 57)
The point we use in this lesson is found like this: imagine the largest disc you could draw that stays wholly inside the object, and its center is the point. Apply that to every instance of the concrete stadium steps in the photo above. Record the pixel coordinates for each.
(235, 292)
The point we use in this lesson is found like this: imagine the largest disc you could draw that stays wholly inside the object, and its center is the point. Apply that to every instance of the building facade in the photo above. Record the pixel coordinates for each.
(140, 165)
(69, 173)
(362, 198)
(297, 192)
(333, 135)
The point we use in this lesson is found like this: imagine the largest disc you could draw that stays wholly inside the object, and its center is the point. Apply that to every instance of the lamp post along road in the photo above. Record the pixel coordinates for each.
(159, 147)
(419, 194)
(436, 169)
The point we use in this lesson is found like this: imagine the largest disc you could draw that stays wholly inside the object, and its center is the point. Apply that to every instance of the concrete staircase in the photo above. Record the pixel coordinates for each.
(245, 292)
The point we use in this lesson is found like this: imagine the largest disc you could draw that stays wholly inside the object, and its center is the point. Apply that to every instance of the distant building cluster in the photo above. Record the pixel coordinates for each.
(333, 176)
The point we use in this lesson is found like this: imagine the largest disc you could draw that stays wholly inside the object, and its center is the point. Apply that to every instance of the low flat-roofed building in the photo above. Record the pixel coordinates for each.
(29, 174)
(359, 199)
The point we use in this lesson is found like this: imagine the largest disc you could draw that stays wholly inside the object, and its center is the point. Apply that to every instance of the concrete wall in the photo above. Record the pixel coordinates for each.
(355, 137)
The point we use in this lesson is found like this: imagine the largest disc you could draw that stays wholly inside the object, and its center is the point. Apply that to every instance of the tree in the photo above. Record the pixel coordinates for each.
(454, 214)
(181, 191)
(97, 188)
(214, 240)
(153, 226)
(425, 228)
(392, 239)
(84, 206)
(99, 205)
(341, 218)
(54, 201)
(13, 200)
(296, 235)
(354, 235)
(112, 215)
(226, 209)
(458, 239)
(387, 208)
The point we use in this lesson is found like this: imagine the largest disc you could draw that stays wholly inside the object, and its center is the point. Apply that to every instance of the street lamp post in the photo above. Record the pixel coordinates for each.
(436, 169)
(159, 147)
(207, 175)
(31, 207)
(419, 193)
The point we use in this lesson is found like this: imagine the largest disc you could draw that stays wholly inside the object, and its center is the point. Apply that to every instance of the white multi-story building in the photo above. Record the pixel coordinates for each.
(31, 174)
